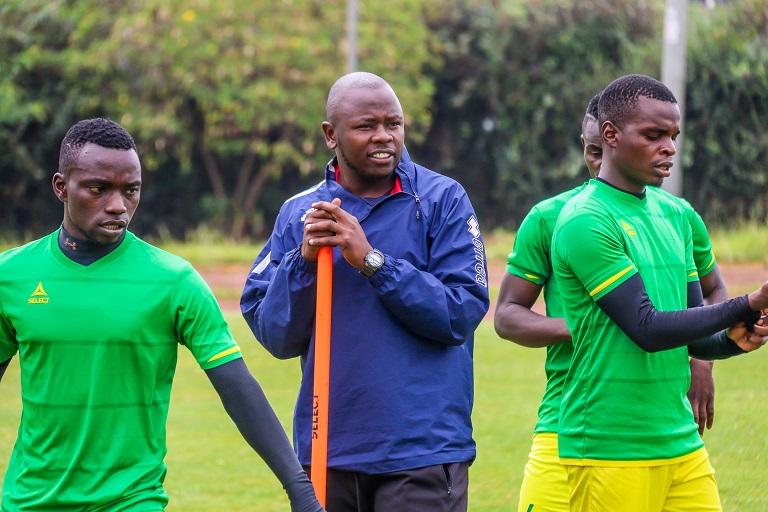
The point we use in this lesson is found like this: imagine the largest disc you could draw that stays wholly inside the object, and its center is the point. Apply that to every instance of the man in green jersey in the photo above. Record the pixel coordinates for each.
(96, 316)
(623, 262)
(529, 269)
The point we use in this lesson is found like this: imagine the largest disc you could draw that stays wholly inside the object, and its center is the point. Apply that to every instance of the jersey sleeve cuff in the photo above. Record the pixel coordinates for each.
(222, 358)
(609, 284)
(535, 278)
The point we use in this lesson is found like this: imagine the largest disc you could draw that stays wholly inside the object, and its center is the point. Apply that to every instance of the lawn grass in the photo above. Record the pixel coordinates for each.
(210, 467)
(743, 243)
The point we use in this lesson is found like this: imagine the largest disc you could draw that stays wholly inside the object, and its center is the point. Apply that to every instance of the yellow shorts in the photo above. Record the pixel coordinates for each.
(545, 483)
(687, 486)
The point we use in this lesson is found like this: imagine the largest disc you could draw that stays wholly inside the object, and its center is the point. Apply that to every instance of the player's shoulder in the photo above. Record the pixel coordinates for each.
(680, 201)
(26, 254)
(669, 202)
(157, 260)
(584, 202)
(544, 214)
(555, 203)
(589, 211)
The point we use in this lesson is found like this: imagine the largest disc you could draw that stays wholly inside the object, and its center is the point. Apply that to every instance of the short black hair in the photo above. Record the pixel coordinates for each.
(591, 111)
(592, 107)
(618, 102)
(100, 131)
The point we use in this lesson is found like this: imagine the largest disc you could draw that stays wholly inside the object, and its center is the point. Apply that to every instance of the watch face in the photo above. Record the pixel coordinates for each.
(374, 259)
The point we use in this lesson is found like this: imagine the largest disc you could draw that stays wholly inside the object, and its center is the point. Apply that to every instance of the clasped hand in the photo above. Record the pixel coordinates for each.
(328, 225)
(749, 341)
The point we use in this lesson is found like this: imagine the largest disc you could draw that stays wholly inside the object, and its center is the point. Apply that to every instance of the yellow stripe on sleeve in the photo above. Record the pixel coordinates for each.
(610, 281)
(531, 276)
(692, 274)
(224, 354)
(711, 261)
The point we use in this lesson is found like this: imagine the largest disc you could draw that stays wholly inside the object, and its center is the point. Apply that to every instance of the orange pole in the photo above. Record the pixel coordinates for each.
(319, 468)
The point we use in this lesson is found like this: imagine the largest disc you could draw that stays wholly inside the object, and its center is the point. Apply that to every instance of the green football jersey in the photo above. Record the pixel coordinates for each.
(97, 347)
(621, 403)
(703, 256)
(530, 260)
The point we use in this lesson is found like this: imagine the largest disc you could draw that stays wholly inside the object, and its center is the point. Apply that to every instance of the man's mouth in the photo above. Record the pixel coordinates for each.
(113, 226)
(664, 168)
(381, 155)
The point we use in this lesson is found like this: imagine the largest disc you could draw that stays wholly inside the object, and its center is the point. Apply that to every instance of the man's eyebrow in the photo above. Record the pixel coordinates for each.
(101, 181)
(373, 118)
(660, 129)
(94, 179)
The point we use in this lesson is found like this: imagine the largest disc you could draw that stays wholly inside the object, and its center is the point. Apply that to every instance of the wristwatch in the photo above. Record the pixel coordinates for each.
(373, 262)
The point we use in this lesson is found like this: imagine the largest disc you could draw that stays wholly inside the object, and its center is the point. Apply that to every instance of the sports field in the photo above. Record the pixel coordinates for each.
(211, 467)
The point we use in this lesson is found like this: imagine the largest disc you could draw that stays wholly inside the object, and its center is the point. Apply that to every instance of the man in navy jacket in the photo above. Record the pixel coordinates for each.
(409, 290)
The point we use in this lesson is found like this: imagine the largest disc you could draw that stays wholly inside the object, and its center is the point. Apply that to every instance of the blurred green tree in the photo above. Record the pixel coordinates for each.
(514, 87)
(237, 87)
(225, 98)
(726, 146)
(36, 107)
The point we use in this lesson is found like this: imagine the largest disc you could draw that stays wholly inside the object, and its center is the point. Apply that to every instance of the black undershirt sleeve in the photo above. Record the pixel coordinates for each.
(3, 366)
(717, 346)
(629, 306)
(248, 407)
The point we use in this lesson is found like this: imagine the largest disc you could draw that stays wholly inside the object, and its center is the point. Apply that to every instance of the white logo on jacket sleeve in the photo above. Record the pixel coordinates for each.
(474, 226)
(304, 217)
(481, 276)
(258, 269)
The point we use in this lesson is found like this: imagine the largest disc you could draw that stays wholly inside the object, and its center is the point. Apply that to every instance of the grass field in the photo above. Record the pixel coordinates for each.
(211, 468)
(742, 243)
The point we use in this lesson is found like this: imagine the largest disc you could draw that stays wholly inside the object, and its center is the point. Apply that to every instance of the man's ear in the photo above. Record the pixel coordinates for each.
(60, 187)
(330, 135)
(610, 132)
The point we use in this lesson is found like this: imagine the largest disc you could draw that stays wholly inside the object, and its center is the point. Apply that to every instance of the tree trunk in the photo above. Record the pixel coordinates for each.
(243, 179)
(254, 190)
(212, 169)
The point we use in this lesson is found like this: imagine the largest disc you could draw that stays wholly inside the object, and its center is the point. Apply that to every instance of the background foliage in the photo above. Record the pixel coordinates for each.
(225, 98)
(727, 112)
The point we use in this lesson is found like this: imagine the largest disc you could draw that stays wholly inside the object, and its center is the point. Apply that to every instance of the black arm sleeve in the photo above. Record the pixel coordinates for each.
(717, 346)
(630, 307)
(248, 407)
(3, 366)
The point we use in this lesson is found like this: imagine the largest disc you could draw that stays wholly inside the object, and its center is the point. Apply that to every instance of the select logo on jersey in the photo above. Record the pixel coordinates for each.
(38, 296)
(629, 229)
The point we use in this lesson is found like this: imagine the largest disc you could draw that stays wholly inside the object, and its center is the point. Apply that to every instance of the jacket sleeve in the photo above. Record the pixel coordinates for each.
(446, 302)
(278, 300)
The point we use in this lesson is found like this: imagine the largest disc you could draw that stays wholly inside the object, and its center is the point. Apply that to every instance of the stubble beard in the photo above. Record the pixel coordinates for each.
(362, 175)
